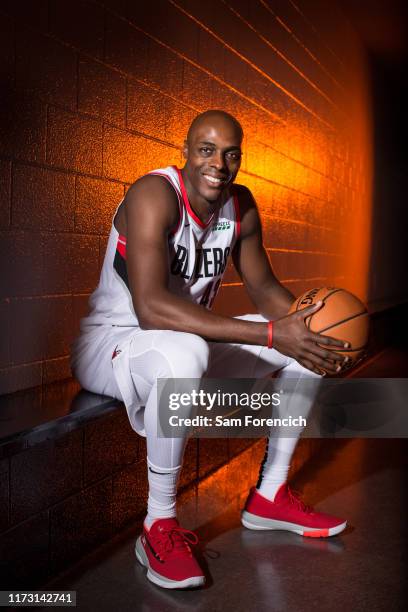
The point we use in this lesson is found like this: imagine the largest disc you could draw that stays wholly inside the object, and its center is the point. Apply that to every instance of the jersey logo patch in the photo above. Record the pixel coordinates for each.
(221, 225)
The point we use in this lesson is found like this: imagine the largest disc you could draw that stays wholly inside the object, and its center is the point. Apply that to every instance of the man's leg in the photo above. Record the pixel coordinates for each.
(272, 505)
(164, 548)
(246, 361)
(280, 448)
(163, 354)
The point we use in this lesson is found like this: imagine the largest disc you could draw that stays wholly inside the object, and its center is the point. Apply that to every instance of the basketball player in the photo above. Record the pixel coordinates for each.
(151, 318)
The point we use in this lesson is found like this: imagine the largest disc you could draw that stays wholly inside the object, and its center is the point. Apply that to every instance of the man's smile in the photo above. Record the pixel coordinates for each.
(215, 181)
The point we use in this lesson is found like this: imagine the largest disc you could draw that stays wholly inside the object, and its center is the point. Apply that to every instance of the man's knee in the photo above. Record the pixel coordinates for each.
(187, 354)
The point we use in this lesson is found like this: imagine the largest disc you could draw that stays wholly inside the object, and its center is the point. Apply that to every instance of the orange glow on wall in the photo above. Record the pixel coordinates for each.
(307, 145)
(89, 111)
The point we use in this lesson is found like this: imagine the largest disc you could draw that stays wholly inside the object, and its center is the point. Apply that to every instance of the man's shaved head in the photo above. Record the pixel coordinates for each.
(213, 155)
(216, 117)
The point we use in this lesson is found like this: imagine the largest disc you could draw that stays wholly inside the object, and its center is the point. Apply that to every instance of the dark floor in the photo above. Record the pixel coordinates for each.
(362, 569)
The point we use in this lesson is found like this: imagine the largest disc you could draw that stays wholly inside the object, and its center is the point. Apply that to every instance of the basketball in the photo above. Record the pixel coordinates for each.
(343, 316)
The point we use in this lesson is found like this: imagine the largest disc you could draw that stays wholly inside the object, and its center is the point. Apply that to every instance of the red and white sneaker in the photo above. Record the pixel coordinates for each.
(288, 512)
(165, 550)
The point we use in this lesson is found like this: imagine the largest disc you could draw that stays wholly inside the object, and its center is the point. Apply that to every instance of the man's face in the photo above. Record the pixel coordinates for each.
(213, 158)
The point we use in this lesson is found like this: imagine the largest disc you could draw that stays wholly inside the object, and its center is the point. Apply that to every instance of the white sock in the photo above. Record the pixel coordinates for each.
(161, 502)
(275, 466)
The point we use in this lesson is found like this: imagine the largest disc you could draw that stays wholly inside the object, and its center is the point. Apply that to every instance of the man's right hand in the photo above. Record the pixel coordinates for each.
(291, 337)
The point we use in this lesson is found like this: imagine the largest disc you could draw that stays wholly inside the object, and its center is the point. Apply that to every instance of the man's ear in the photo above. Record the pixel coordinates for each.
(185, 149)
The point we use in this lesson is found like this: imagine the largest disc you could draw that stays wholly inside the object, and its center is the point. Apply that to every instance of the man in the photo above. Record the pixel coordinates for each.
(150, 318)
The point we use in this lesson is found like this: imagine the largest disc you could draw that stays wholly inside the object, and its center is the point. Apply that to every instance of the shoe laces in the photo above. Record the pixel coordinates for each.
(295, 500)
(175, 541)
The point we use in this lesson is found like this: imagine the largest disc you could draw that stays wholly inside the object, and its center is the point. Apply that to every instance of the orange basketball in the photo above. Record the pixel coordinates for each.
(343, 316)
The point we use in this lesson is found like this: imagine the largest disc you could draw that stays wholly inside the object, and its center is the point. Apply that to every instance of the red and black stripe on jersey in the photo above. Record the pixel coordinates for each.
(119, 261)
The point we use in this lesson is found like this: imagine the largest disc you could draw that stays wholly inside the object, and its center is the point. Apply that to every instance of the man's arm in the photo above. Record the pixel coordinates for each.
(151, 212)
(272, 299)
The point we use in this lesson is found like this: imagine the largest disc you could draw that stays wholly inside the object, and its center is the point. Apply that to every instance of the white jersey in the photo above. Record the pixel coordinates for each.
(198, 255)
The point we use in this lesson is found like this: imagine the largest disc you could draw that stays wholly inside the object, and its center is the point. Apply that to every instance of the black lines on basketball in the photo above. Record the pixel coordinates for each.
(324, 329)
(331, 293)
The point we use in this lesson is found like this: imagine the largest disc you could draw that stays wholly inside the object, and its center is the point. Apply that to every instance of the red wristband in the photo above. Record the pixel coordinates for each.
(270, 334)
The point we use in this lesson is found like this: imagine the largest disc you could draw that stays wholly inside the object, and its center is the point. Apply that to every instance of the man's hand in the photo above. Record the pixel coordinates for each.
(291, 337)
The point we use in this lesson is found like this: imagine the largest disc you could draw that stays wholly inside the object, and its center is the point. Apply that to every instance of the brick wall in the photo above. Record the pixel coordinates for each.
(97, 93)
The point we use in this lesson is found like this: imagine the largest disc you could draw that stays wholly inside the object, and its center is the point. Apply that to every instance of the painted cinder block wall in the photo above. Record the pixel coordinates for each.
(97, 93)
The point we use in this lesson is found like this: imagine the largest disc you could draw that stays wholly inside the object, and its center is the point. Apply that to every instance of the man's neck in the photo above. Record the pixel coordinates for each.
(201, 207)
